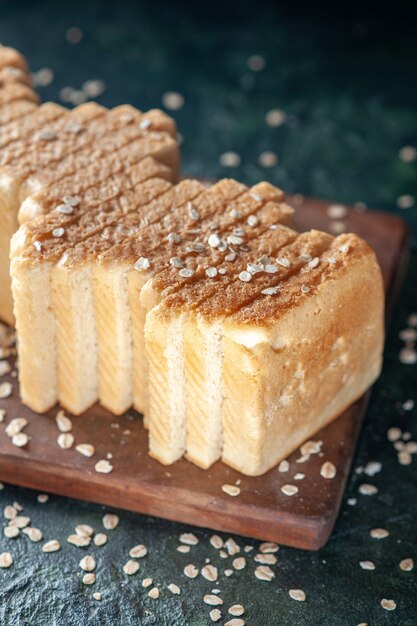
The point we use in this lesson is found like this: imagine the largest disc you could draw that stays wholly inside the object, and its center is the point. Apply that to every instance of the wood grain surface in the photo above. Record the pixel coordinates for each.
(183, 492)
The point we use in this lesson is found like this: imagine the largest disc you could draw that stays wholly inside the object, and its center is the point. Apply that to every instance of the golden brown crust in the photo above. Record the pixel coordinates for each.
(100, 181)
(20, 129)
(10, 75)
(79, 138)
(9, 57)
(42, 242)
(15, 110)
(31, 152)
(343, 252)
(12, 91)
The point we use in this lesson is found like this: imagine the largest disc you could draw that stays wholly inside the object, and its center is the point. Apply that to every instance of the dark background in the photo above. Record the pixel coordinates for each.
(347, 84)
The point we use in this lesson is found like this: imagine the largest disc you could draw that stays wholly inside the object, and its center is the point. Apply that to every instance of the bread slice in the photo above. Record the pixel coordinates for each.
(40, 250)
(79, 140)
(15, 79)
(293, 348)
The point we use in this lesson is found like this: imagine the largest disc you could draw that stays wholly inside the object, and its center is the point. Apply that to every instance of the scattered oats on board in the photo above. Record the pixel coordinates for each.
(394, 434)
(80, 542)
(65, 441)
(74, 34)
(408, 154)
(209, 572)
(154, 593)
(275, 118)
(191, 571)
(328, 470)
(103, 467)
(406, 201)
(231, 546)
(265, 559)
(174, 589)
(297, 594)
(216, 542)
(86, 449)
(88, 563)
(93, 88)
(16, 425)
(267, 547)
(147, 582)
(84, 530)
(9, 512)
(372, 468)
(406, 565)
(256, 63)
(131, 567)
(236, 610)
(388, 605)
(110, 521)
(138, 552)
(2, 415)
(173, 100)
(89, 579)
(235, 621)
(215, 615)
(231, 490)
(6, 390)
(97, 595)
(289, 490)
(408, 356)
(367, 490)
(212, 600)
(100, 539)
(189, 539)
(299, 476)
(368, 565)
(184, 549)
(379, 533)
(239, 563)
(21, 521)
(230, 159)
(42, 498)
(51, 546)
(404, 458)
(337, 211)
(20, 440)
(284, 466)
(6, 560)
(11, 532)
(34, 534)
(228, 572)
(5, 368)
(263, 572)
(268, 159)
(63, 422)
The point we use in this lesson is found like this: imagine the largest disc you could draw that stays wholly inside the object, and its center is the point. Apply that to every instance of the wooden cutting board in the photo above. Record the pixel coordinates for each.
(183, 492)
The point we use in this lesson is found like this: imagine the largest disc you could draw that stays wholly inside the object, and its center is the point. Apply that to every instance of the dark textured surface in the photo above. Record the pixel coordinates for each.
(349, 95)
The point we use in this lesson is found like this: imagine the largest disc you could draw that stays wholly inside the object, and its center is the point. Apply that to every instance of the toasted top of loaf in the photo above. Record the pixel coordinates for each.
(19, 129)
(154, 218)
(80, 137)
(16, 110)
(11, 91)
(226, 250)
(9, 57)
(9, 74)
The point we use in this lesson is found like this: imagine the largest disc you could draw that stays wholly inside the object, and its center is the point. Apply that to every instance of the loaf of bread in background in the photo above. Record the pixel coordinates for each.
(51, 144)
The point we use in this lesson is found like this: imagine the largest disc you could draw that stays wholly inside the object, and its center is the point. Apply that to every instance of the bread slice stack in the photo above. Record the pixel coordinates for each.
(51, 144)
(17, 100)
(236, 336)
(246, 365)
